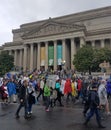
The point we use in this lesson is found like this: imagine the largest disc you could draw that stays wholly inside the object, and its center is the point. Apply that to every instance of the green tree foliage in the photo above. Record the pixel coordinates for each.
(101, 55)
(88, 59)
(83, 59)
(6, 62)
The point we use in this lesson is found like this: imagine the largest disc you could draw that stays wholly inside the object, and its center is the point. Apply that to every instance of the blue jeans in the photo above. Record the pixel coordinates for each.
(30, 107)
(92, 112)
(22, 104)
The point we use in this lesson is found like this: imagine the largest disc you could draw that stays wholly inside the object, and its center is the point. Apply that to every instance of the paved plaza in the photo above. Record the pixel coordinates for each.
(68, 117)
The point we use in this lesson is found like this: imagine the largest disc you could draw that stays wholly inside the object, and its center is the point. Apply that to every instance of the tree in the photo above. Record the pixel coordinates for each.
(6, 62)
(83, 59)
(88, 59)
(101, 55)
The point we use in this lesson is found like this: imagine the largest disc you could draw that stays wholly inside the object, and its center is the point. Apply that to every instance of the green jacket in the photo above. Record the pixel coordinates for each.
(46, 90)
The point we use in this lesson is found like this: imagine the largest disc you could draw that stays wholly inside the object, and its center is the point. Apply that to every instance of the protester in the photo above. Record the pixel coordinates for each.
(23, 99)
(68, 90)
(74, 90)
(102, 92)
(46, 96)
(4, 92)
(41, 90)
(94, 106)
(108, 87)
(11, 90)
(79, 87)
(31, 97)
(59, 93)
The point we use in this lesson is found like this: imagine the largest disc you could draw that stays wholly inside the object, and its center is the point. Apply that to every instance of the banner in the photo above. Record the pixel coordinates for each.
(42, 56)
(59, 54)
(50, 55)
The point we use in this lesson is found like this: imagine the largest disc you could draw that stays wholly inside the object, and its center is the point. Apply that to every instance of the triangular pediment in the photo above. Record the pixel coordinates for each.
(51, 28)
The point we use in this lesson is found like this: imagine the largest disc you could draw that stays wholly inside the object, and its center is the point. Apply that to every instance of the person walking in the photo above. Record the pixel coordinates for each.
(59, 93)
(108, 87)
(74, 90)
(31, 98)
(11, 90)
(94, 106)
(68, 90)
(47, 96)
(41, 91)
(23, 99)
(102, 92)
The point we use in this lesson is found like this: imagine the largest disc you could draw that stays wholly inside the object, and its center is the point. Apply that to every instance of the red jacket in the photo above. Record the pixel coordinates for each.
(67, 88)
(79, 83)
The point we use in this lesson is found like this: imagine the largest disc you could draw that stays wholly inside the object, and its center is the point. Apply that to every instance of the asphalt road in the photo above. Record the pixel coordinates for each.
(68, 117)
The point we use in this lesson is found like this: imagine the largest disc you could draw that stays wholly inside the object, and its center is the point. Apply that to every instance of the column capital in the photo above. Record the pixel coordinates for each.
(46, 42)
(25, 45)
(72, 39)
(63, 40)
(55, 41)
(31, 44)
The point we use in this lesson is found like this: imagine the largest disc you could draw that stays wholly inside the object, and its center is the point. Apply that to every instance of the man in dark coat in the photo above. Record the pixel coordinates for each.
(23, 100)
(94, 106)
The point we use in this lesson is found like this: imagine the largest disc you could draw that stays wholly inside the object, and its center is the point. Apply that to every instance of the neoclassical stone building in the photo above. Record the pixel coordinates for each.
(48, 42)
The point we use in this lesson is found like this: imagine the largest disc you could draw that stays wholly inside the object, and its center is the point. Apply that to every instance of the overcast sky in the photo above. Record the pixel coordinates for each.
(13, 13)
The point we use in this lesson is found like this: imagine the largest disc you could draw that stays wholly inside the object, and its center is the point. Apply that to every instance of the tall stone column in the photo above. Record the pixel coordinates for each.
(102, 43)
(46, 58)
(64, 52)
(38, 56)
(15, 58)
(25, 58)
(21, 58)
(31, 57)
(82, 41)
(55, 55)
(73, 52)
(93, 43)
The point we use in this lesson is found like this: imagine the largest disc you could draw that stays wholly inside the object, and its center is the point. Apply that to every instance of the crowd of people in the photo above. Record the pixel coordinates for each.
(27, 89)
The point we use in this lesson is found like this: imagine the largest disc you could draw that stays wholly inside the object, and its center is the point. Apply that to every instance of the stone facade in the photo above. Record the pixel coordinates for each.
(49, 42)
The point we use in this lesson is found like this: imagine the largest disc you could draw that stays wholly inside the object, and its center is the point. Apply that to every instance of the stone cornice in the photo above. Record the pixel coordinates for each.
(55, 37)
(12, 44)
(1, 47)
(99, 31)
(87, 15)
(77, 17)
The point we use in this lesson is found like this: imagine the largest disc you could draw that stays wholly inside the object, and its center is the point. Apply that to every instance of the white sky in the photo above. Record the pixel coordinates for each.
(13, 13)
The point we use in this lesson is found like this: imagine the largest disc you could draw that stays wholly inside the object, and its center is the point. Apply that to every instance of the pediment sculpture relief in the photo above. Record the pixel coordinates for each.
(51, 28)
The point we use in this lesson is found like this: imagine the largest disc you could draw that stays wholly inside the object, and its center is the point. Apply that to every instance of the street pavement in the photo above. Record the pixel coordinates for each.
(69, 117)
